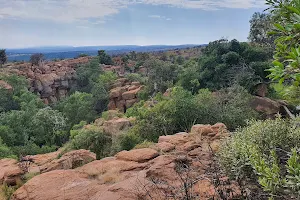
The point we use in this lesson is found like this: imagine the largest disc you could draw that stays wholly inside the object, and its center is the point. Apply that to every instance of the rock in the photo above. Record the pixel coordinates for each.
(121, 105)
(130, 103)
(174, 139)
(136, 83)
(134, 87)
(70, 160)
(111, 105)
(202, 129)
(165, 146)
(137, 155)
(116, 92)
(130, 94)
(265, 105)
(5, 85)
(42, 159)
(10, 172)
(117, 125)
(58, 185)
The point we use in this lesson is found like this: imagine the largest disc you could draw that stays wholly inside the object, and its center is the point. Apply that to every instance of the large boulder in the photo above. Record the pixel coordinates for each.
(10, 172)
(137, 155)
(116, 125)
(130, 94)
(265, 105)
(70, 160)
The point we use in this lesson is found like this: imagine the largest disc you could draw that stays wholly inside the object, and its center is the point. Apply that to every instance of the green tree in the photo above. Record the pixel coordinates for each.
(3, 57)
(46, 124)
(77, 107)
(287, 55)
(161, 75)
(104, 58)
(260, 25)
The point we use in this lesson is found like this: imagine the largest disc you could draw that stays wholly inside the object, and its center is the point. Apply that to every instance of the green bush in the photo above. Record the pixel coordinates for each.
(181, 110)
(129, 140)
(5, 151)
(265, 152)
(94, 140)
(78, 107)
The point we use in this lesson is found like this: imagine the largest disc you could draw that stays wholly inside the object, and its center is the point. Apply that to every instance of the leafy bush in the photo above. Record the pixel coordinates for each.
(265, 152)
(78, 107)
(5, 151)
(182, 110)
(94, 140)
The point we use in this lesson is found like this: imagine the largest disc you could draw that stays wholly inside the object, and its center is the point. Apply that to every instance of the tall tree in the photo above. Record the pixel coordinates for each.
(104, 58)
(260, 25)
(3, 57)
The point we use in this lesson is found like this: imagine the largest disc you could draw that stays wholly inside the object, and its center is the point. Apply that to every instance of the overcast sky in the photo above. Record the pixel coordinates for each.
(27, 23)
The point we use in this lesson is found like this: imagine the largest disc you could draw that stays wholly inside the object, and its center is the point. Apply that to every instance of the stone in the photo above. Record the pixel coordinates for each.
(136, 83)
(265, 105)
(130, 94)
(121, 105)
(70, 160)
(202, 129)
(134, 87)
(111, 105)
(117, 125)
(137, 155)
(164, 146)
(10, 172)
(116, 92)
(130, 103)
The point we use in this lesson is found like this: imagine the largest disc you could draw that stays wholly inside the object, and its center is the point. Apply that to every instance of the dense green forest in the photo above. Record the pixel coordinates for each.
(217, 86)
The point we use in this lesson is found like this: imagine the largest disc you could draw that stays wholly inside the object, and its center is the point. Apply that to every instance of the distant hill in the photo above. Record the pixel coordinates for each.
(63, 52)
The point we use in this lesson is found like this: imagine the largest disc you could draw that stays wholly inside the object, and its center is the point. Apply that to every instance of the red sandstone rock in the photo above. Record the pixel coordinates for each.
(165, 146)
(137, 155)
(10, 172)
(202, 129)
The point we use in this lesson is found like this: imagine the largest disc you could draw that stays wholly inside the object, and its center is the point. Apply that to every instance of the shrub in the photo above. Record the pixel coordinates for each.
(93, 139)
(181, 110)
(264, 152)
(5, 151)
(37, 58)
(78, 107)
(129, 140)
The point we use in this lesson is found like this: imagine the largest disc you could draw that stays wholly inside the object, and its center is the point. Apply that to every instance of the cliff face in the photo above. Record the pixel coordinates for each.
(51, 80)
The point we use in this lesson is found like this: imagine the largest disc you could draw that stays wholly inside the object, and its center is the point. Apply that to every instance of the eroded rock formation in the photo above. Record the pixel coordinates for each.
(51, 80)
(123, 94)
(147, 173)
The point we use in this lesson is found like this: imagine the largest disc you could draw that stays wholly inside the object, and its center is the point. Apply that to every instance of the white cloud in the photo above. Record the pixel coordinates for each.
(160, 17)
(83, 10)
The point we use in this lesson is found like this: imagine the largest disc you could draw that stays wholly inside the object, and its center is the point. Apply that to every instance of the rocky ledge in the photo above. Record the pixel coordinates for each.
(161, 171)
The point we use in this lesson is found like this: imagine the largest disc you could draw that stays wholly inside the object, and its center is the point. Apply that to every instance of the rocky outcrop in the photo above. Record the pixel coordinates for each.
(54, 161)
(268, 107)
(10, 172)
(123, 94)
(148, 173)
(51, 80)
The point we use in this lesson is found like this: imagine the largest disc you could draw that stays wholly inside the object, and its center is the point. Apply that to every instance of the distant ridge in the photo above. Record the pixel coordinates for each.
(63, 52)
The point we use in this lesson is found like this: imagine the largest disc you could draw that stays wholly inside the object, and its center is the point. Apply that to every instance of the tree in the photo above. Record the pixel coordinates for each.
(46, 123)
(78, 107)
(260, 25)
(37, 58)
(3, 57)
(161, 74)
(287, 55)
(104, 58)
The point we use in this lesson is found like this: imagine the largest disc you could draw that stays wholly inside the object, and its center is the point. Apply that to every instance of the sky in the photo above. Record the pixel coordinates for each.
(30, 23)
